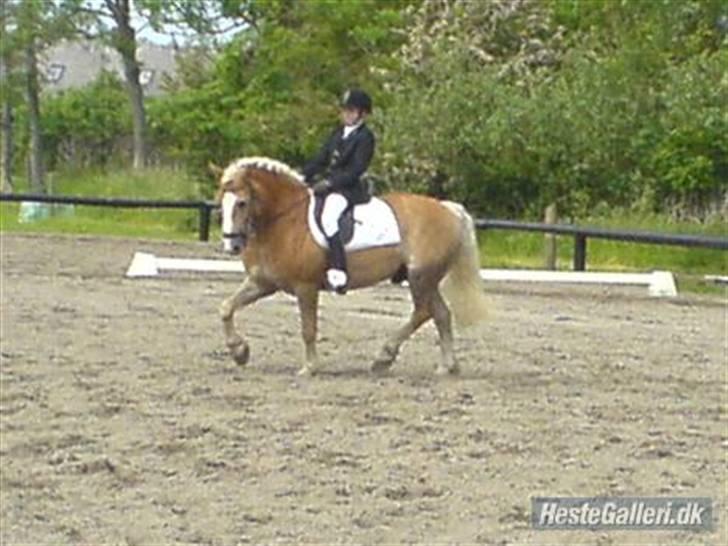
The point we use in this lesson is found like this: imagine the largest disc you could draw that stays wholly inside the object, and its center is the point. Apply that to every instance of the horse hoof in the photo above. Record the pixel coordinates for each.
(382, 366)
(442, 371)
(305, 371)
(385, 359)
(240, 354)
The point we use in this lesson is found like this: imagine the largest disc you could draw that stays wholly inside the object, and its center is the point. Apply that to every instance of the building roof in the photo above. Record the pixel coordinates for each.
(75, 64)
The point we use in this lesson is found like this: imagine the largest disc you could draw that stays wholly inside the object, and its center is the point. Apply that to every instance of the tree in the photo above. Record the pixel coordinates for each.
(111, 21)
(289, 73)
(30, 22)
(460, 70)
(273, 89)
(585, 103)
(36, 26)
(28, 28)
(6, 137)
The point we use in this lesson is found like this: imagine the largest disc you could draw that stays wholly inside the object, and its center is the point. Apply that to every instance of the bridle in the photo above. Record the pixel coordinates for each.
(251, 227)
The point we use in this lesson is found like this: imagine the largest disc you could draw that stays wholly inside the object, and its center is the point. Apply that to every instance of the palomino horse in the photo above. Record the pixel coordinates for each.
(264, 205)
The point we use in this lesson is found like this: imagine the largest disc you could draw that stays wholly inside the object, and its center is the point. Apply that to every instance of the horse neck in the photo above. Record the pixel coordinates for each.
(276, 196)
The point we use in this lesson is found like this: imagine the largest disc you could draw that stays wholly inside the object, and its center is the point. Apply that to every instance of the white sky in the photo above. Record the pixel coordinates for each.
(180, 34)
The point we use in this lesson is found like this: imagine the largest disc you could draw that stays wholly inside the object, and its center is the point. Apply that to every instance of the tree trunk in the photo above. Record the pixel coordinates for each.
(136, 97)
(6, 134)
(6, 138)
(35, 157)
(125, 43)
(7, 148)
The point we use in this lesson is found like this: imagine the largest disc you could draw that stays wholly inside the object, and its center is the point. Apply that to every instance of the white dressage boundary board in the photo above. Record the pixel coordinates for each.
(659, 283)
(144, 264)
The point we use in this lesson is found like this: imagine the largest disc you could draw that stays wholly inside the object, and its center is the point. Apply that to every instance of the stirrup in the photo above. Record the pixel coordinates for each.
(337, 280)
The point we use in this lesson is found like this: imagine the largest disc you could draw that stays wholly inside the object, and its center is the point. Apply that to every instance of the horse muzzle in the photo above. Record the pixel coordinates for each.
(233, 243)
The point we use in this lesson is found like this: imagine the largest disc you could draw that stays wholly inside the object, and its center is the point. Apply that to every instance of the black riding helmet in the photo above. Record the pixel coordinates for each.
(356, 98)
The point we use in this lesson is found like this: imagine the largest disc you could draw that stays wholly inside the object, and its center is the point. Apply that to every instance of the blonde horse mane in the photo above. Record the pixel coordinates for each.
(265, 164)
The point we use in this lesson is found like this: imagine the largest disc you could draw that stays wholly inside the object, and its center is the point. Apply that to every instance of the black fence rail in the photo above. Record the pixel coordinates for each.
(580, 234)
(203, 207)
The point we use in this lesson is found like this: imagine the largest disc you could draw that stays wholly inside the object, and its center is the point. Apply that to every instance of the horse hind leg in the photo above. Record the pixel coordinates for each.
(421, 288)
(390, 350)
(400, 276)
(443, 321)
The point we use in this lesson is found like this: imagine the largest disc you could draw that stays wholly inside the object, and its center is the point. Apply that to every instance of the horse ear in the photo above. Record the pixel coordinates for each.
(216, 170)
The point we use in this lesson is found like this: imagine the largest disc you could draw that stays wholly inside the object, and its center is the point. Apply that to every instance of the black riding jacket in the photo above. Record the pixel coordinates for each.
(342, 161)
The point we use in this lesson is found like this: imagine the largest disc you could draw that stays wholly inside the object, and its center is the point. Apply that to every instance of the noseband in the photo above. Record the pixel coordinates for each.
(232, 236)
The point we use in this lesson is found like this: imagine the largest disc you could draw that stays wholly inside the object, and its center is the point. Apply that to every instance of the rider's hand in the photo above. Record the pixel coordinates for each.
(321, 187)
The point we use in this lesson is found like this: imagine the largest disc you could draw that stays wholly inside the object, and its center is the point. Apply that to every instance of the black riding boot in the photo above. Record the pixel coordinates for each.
(337, 258)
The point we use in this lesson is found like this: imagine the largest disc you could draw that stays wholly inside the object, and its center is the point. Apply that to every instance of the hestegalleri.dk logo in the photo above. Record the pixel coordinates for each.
(676, 513)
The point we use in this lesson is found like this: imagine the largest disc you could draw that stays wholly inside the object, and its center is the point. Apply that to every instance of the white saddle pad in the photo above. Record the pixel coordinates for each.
(374, 226)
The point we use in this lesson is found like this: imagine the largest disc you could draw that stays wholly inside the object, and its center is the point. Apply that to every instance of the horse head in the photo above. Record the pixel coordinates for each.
(250, 191)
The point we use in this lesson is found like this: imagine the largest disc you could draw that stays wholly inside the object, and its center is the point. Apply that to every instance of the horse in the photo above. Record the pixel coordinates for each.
(264, 219)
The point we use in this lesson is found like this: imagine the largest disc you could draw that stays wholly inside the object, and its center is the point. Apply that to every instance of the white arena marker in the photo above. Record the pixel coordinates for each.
(144, 264)
(660, 283)
(719, 279)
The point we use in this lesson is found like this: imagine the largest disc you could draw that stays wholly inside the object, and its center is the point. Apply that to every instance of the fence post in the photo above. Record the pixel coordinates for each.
(204, 222)
(550, 238)
(579, 252)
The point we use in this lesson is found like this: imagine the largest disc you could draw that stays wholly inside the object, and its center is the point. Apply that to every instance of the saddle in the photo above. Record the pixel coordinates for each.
(369, 225)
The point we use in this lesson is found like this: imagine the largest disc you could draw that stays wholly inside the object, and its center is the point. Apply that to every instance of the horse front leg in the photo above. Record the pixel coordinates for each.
(248, 292)
(307, 297)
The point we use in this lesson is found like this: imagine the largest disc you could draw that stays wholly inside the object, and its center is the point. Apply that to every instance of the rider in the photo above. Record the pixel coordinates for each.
(336, 172)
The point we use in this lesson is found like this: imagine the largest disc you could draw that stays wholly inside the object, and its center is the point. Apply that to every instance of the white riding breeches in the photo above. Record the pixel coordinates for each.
(334, 205)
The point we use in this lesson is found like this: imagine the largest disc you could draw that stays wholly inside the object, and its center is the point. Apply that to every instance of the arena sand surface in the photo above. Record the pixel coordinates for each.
(123, 420)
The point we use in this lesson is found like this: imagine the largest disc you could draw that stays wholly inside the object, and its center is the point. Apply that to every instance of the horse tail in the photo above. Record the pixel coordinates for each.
(462, 285)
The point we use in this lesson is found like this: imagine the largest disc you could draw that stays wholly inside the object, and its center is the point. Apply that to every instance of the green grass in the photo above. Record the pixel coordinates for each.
(515, 249)
(498, 248)
(147, 223)
(141, 223)
(526, 250)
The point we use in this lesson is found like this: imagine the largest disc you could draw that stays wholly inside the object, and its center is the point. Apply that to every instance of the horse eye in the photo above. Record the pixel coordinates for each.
(240, 204)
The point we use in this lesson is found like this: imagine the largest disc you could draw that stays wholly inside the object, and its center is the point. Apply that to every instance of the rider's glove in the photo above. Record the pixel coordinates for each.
(321, 187)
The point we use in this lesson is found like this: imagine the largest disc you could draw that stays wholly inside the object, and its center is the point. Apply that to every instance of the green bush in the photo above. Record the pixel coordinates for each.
(630, 112)
(86, 126)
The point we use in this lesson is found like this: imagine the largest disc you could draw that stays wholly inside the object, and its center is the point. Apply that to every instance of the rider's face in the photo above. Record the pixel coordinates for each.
(350, 116)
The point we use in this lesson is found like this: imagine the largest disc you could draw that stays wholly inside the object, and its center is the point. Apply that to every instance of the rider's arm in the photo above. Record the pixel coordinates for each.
(319, 163)
(360, 162)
